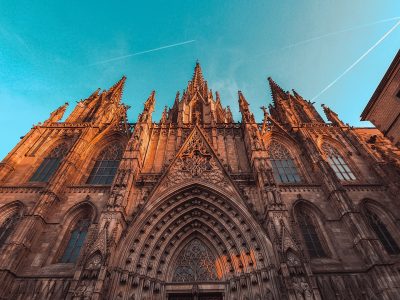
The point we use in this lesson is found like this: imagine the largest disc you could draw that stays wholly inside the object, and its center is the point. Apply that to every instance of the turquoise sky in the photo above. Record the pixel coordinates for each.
(49, 52)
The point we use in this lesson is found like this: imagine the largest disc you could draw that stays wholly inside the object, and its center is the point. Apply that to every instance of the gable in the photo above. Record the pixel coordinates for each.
(196, 162)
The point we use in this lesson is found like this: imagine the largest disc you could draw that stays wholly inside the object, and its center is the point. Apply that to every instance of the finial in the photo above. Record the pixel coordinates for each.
(57, 115)
(164, 115)
(264, 109)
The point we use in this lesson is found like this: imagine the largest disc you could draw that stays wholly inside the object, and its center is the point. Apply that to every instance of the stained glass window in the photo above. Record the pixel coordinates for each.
(283, 166)
(75, 242)
(195, 263)
(382, 233)
(337, 163)
(50, 164)
(309, 230)
(106, 165)
(7, 227)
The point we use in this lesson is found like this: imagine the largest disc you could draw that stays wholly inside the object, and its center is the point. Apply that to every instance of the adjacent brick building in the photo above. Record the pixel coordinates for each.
(199, 206)
(383, 110)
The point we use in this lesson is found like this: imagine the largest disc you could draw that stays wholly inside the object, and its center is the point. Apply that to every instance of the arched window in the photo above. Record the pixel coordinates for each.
(282, 163)
(337, 163)
(8, 226)
(106, 165)
(50, 164)
(195, 263)
(197, 112)
(382, 232)
(75, 241)
(308, 227)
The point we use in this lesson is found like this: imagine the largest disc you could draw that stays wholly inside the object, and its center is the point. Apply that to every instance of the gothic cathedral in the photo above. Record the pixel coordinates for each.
(198, 205)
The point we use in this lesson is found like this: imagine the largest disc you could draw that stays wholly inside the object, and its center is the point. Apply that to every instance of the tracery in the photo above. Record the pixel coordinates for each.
(283, 166)
(195, 263)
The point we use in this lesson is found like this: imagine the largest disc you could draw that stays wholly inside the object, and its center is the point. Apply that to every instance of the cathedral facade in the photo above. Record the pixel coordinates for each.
(198, 206)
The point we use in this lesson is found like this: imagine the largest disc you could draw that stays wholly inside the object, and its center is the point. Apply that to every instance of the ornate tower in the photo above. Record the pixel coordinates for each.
(198, 206)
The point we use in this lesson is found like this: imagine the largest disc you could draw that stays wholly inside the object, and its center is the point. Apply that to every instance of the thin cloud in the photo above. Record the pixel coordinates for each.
(358, 60)
(141, 52)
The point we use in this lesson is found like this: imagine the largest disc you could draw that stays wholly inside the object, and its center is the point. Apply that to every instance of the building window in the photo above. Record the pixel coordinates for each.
(7, 227)
(308, 229)
(106, 165)
(283, 165)
(75, 242)
(195, 263)
(382, 233)
(337, 163)
(50, 164)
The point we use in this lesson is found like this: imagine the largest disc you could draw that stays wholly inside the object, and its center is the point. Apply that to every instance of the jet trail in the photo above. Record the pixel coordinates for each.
(358, 60)
(141, 52)
(338, 32)
(320, 37)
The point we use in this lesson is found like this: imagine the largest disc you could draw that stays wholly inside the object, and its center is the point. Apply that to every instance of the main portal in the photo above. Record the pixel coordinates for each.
(202, 296)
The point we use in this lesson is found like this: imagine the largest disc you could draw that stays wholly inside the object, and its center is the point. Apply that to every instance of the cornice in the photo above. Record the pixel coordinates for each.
(88, 189)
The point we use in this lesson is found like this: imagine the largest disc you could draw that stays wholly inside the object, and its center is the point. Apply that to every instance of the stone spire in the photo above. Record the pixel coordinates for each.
(197, 79)
(116, 90)
(228, 115)
(332, 116)
(57, 115)
(277, 92)
(148, 109)
(197, 85)
(247, 116)
(164, 115)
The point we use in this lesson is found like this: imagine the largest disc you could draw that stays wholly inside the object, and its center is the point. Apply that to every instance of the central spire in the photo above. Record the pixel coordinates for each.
(197, 75)
(198, 83)
(197, 104)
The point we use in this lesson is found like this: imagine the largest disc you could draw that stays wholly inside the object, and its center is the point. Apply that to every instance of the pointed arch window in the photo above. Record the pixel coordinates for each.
(8, 226)
(283, 165)
(106, 165)
(195, 263)
(337, 163)
(75, 241)
(308, 227)
(382, 232)
(50, 164)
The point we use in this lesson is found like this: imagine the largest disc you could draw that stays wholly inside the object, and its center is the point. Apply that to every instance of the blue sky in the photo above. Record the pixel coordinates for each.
(50, 50)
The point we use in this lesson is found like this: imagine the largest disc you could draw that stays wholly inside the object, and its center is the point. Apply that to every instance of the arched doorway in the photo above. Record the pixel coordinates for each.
(195, 243)
(196, 271)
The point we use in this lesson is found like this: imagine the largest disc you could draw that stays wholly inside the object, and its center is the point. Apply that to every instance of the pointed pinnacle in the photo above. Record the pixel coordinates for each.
(119, 84)
(177, 97)
(198, 74)
(95, 93)
(152, 95)
(276, 90)
(242, 98)
(296, 94)
(117, 89)
(326, 109)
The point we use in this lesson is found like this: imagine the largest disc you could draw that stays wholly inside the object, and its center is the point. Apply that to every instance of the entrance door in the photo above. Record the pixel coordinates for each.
(202, 296)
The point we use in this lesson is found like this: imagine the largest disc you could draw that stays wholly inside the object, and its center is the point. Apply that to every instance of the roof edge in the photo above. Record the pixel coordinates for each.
(381, 86)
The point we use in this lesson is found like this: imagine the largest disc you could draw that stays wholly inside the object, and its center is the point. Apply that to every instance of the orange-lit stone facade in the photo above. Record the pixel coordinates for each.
(197, 205)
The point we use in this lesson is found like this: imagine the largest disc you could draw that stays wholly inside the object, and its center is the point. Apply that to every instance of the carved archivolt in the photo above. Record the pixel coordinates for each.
(240, 246)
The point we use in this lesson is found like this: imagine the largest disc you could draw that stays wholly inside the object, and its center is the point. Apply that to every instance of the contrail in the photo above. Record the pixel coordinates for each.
(338, 32)
(320, 37)
(358, 60)
(141, 52)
